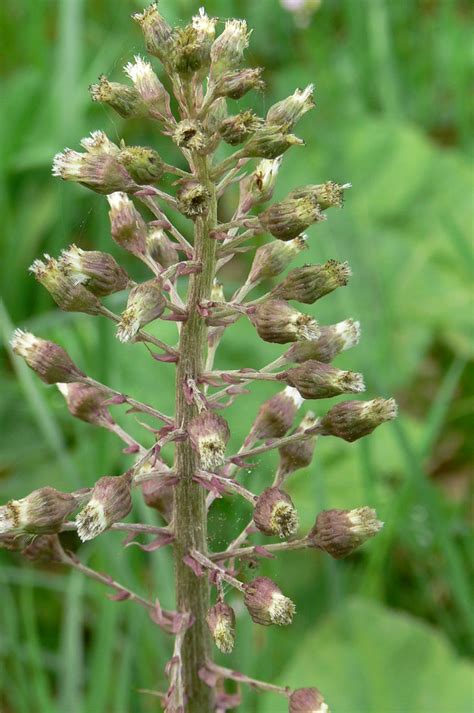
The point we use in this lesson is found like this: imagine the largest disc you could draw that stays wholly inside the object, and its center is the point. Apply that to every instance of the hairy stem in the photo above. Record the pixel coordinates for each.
(190, 517)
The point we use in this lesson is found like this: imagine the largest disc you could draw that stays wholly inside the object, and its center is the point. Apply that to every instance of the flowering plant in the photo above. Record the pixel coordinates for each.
(204, 72)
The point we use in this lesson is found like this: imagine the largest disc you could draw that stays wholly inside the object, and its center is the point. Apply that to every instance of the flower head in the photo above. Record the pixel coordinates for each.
(145, 303)
(127, 225)
(143, 164)
(258, 187)
(298, 454)
(97, 169)
(149, 88)
(160, 248)
(209, 434)
(316, 380)
(50, 361)
(228, 49)
(42, 511)
(193, 199)
(275, 514)
(125, 100)
(276, 321)
(291, 216)
(191, 50)
(351, 420)
(97, 271)
(86, 402)
(236, 84)
(110, 501)
(307, 700)
(221, 622)
(266, 604)
(156, 31)
(332, 340)
(45, 548)
(189, 134)
(340, 532)
(67, 292)
(311, 282)
(276, 415)
(288, 111)
(327, 195)
(236, 129)
(270, 142)
(271, 259)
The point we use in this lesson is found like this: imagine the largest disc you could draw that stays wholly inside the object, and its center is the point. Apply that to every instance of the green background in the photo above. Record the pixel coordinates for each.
(390, 630)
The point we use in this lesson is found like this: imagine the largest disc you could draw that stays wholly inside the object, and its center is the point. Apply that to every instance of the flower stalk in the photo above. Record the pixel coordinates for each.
(205, 73)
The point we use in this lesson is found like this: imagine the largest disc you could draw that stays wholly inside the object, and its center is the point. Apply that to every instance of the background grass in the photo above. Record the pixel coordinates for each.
(390, 629)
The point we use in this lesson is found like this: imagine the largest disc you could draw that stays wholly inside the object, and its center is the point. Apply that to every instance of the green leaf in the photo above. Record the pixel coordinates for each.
(366, 658)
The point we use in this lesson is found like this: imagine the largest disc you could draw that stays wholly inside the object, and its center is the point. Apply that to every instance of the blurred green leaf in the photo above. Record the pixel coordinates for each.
(366, 658)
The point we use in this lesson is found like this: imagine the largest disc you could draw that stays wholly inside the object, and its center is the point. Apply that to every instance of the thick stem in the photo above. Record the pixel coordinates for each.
(190, 517)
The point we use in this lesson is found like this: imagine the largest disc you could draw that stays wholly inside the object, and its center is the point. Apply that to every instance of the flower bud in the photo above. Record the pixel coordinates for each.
(10, 541)
(237, 129)
(110, 502)
(340, 532)
(298, 454)
(144, 165)
(352, 420)
(266, 604)
(217, 292)
(159, 496)
(311, 282)
(275, 514)
(149, 88)
(192, 45)
(127, 225)
(205, 26)
(97, 271)
(157, 493)
(209, 434)
(290, 110)
(276, 415)
(271, 259)
(42, 511)
(68, 295)
(327, 195)
(333, 339)
(236, 84)
(270, 142)
(125, 100)
(160, 248)
(215, 116)
(156, 31)
(221, 622)
(50, 361)
(189, 135)
(193, 200)
(191, 50)
(227, 51)
(86, 403)
(258, 187)
(97, 169)
(316, 380)
(307, 700)
(290, 217)
(145, 303)
(45, 548)
(276, 321)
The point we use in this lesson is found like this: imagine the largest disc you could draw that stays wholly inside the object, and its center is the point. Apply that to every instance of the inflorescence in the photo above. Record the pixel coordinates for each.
(205, 74)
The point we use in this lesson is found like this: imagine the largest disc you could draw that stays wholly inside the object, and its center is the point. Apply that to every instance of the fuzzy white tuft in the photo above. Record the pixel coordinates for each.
(281, 610)
(294, 395)
(349, 331)
(91, 520)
